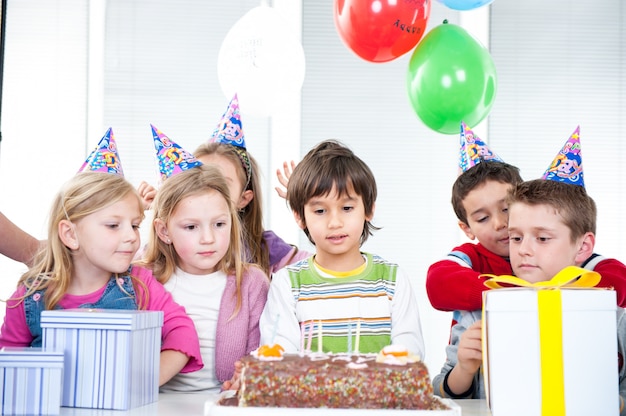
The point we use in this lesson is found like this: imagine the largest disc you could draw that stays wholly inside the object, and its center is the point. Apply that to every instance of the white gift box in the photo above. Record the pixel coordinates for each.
(513, 357)
(30, 381)
(111, 356)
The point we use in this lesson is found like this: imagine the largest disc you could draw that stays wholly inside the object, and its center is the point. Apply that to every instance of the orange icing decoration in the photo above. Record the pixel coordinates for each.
(395, 352)
(274, 351)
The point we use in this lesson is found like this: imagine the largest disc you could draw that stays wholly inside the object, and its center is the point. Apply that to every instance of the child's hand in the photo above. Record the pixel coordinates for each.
(147, 193)
(470, 352)
(283, 178)
(235, 382)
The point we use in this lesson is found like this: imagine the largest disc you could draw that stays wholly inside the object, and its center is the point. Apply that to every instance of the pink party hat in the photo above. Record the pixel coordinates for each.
(473, 150)
(172, 158)
(567, 166)
(229, 130)
(104, 158)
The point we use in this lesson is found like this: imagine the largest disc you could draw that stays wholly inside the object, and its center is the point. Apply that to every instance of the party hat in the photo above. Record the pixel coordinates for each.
(473, 150)
(172, 158)
(104, 158)
(567, 166)
(230, 131)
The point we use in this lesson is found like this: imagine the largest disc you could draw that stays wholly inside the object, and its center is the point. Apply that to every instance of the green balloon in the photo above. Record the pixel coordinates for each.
(451, 78)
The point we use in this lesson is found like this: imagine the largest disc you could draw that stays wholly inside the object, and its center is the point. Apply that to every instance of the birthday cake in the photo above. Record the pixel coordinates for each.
(392, 379)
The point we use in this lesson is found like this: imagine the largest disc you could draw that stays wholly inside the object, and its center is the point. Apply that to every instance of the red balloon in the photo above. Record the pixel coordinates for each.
(381, 30)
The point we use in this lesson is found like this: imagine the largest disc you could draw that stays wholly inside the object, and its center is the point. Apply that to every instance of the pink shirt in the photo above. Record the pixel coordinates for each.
(178, 332)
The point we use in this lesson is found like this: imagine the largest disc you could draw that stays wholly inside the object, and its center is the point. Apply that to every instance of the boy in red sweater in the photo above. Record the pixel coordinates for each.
(478, 199)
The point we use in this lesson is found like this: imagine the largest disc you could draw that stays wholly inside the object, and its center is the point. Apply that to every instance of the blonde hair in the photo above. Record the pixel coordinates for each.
(84, 194)
(251, 215)
(161, 257)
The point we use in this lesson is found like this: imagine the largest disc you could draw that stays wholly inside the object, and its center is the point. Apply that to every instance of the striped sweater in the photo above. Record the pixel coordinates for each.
(364, 311)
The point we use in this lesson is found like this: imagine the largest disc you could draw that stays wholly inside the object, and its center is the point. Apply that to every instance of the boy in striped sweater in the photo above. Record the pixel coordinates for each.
(340, 299)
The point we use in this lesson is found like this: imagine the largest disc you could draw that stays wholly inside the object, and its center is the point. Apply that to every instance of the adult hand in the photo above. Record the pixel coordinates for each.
(283, 178)
(147, 193)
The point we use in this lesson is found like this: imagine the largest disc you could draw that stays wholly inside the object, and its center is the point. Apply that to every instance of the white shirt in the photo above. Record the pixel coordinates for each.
(200, 295)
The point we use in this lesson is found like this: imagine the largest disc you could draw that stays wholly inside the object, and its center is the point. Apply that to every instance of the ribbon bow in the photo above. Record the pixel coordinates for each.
(569, 277)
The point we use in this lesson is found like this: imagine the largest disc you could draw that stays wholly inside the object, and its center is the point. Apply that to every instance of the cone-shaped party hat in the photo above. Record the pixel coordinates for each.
(104, 158)
(567, 166)
(473, 150)
(172, 158)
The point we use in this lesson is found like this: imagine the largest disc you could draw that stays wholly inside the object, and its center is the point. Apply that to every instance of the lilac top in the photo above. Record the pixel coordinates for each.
(282, 253)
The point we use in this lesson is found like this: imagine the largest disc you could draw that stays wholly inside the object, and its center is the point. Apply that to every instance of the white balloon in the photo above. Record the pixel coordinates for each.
(261, 61)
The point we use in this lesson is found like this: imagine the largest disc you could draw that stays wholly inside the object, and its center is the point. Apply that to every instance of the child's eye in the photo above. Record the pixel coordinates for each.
(113, 226)
(221, 224)
(189, 227)
(135, 226)
(515, 239)
(544, 239)
(348, 208)
(505, 209)
(482, 219)
(318, 211)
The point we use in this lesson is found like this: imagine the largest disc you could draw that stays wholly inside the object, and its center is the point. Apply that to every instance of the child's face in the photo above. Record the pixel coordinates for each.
(229, 170)
(540, 243)
(107, 239)
(199, 229)
(335, 224)
(487, 216)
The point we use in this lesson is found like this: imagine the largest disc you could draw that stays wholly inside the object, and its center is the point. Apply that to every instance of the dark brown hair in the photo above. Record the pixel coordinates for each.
(478, 175)
(330, 165)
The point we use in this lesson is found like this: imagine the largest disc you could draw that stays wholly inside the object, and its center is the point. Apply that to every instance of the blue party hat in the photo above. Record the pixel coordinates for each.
(172, 158)
(473, 150)
(567, 166)
(230, 131)
(104, 158)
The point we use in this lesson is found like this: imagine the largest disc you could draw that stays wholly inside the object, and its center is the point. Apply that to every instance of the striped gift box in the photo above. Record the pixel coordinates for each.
(30, 381)
(111, 356)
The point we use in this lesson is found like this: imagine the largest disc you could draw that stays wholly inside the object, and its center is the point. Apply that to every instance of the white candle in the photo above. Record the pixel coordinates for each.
(319, 336)
(308, 343)
(350, 337)
(358, 336)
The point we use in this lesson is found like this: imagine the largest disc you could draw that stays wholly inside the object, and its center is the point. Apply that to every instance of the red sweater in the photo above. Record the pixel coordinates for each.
(613, 274)
(455, 283)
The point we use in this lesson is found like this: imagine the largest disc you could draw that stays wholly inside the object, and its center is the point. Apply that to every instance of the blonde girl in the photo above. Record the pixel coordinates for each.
(263, 247)
(93, 234)
(196, 251)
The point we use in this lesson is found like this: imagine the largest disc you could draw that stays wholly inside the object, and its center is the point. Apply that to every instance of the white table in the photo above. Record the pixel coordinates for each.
(192, 404)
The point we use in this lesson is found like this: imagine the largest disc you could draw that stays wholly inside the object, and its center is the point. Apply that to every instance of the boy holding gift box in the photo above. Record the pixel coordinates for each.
(551, 226)
(478, 199)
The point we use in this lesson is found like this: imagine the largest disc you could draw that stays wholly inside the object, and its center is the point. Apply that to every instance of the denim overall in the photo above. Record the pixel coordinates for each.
(113, 297)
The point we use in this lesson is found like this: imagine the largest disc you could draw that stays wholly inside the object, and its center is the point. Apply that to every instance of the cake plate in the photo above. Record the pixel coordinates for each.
(212, 408)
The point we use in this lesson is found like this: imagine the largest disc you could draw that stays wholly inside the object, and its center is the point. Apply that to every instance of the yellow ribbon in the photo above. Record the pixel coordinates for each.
(569, 277)
(550, 328)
